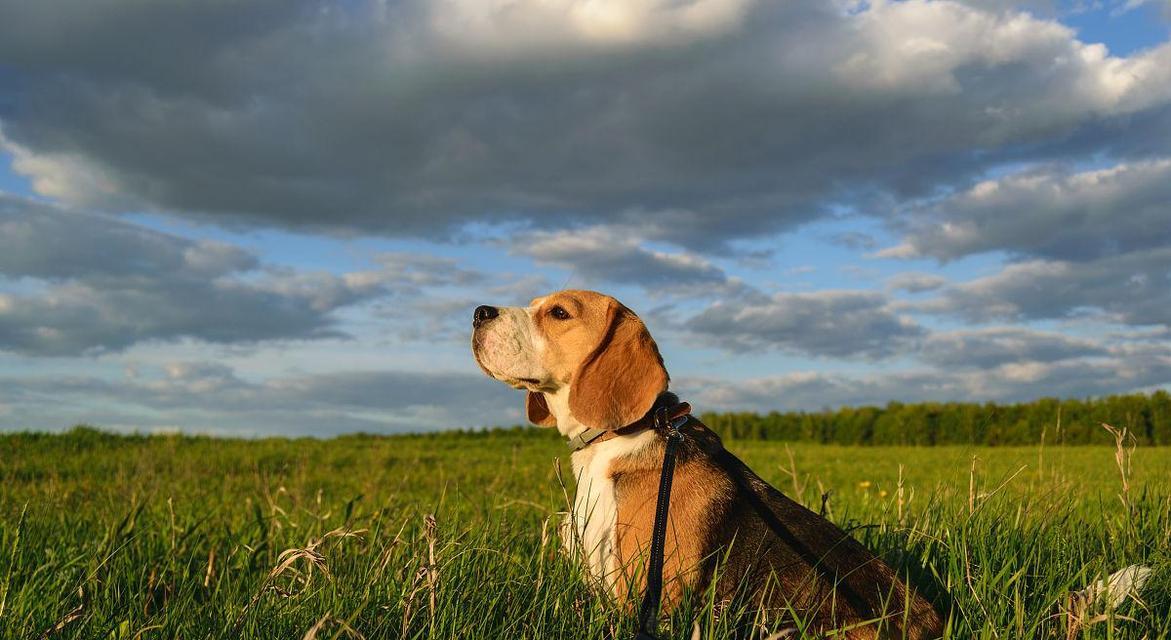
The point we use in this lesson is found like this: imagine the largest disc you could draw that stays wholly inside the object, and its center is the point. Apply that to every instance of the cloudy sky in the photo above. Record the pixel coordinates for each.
(277, 216)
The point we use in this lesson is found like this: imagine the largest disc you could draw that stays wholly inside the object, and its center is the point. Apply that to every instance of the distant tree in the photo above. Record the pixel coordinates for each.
(1072, 421)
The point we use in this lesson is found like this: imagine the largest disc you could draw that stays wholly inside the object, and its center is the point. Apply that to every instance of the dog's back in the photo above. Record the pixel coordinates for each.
(798, 564)
(762, 547)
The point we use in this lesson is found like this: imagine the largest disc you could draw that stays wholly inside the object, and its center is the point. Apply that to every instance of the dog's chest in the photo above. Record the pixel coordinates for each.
(595, 507)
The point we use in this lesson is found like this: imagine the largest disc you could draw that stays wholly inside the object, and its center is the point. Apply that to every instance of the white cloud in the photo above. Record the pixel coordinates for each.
(536, 27)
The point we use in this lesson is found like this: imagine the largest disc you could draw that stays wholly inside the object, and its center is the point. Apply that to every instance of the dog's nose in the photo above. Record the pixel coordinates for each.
(482, 314)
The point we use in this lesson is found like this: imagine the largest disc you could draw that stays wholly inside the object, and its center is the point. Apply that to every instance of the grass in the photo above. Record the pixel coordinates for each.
(454, 536)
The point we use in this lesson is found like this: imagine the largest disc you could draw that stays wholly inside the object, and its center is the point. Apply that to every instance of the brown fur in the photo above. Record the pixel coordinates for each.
(537, 410)
(619, 381)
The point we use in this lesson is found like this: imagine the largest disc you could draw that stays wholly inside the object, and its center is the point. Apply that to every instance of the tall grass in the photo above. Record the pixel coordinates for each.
(455, 536)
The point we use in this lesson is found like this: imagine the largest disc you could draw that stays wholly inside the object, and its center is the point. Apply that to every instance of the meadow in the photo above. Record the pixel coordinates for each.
(454, 535)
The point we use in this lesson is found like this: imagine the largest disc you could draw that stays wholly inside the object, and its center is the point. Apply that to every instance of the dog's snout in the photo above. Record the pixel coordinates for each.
(483, 313)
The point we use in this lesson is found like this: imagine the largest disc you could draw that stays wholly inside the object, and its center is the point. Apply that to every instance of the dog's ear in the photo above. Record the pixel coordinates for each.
(537, 410)
(619, 381)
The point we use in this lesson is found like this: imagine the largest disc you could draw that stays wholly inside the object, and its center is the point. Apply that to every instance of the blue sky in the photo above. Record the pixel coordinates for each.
(277, 219)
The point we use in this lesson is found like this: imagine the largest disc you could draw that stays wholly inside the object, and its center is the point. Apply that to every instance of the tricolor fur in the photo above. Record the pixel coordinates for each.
(586, 361)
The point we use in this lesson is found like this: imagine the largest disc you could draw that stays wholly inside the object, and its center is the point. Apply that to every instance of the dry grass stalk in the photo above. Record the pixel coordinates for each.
(427, 576)
(12, 560)
(972, 487)
(1041, 454)
(791, 471)
(210, 568)
(387, 553)
(409, 600)
(899, 493)
(429, 532)
(569, 527)
(314, 560)
(72, 616)
(328, 618)
(1124, 446)
(138, 634)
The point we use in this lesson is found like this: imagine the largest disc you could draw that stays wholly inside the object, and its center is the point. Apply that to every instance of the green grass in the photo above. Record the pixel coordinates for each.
(165, 537)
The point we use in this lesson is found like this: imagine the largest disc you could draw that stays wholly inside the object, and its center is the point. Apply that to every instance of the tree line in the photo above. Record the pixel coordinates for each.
(1052, 420)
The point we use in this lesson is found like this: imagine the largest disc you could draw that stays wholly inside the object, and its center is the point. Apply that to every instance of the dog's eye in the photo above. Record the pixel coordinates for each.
(559, 312)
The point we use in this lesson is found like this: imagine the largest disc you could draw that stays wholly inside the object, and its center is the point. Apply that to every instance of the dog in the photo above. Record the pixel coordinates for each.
(591, 369)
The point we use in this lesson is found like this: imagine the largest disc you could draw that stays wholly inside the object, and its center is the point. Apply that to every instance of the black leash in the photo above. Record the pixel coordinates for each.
(648, 611)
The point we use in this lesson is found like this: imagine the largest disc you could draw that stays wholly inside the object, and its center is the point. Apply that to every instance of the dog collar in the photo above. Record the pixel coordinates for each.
(669, 411)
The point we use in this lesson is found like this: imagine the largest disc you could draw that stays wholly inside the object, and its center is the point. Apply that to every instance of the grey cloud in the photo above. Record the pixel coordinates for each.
(98, 284)
(1051, 213)
(855, 240)
(413, 118)
(912, 282)
(78, 319)
(44, 241)
(1164, 6)
(211, 397)
(823, 323)
(1133, 288)
(605, 254)
(810, 391)
(421, 270)
(989, 348)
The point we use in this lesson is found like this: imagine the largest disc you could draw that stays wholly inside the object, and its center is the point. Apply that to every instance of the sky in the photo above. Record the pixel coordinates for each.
(276, 217)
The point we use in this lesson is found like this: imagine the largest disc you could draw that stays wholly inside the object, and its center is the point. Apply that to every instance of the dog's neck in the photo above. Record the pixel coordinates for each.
(558, 403)
(570, 427)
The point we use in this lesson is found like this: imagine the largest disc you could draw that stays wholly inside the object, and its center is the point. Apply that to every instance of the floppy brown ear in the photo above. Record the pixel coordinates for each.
(619, 381)
(537, 410)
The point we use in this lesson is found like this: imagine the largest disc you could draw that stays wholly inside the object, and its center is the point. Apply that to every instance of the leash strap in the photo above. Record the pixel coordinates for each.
(648, 614)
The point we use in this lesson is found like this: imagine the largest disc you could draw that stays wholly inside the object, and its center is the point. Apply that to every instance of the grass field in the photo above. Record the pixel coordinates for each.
(166, 537)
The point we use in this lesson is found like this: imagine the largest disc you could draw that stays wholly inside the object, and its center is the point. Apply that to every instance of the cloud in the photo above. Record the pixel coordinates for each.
(607, 254)
(1051, 213)
(412, 118)
(204, 396)
(839, 324)
(912, 282)
(993, 347)
(43, 241)
(855, 240)
(1130, 5)
(507, 28)
(1133, 288)
(98, 284)
(811, 391)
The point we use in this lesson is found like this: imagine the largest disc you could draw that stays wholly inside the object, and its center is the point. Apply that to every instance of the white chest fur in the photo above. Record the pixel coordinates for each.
(595, 509)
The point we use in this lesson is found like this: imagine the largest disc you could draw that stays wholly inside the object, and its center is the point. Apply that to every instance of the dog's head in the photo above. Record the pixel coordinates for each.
(581, 343)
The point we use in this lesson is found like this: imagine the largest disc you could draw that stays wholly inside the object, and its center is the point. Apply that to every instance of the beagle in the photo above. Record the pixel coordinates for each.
(591, 369)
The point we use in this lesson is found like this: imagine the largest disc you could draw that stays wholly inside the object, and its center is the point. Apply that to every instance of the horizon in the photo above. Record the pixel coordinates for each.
(276, 220)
